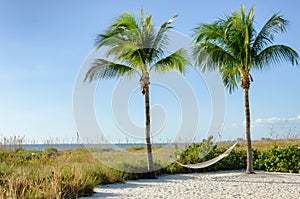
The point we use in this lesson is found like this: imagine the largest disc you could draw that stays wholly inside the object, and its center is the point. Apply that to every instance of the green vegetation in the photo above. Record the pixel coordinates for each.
(52, 174)
(278, 159)
(137, 48)
(74, 173)
(282, 156)
(234, 48)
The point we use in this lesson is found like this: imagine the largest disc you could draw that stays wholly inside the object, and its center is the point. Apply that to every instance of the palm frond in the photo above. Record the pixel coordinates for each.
(122, 50)
(239, 34)
(209, 56)
(250, 17)
(134, 45)
(224, 46)
(230, 76)
(211, 32)
(127, 46)
(275, 54)
(104, 69)
(161, 39)
(125, 22)
(176, 61)
(276, 24)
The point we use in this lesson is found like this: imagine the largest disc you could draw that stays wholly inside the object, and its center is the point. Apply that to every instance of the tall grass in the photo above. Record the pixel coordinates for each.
(263, 145)
(67, 174)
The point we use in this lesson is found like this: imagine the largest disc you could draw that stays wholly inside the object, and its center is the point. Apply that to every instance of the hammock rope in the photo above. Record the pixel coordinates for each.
(209, 162)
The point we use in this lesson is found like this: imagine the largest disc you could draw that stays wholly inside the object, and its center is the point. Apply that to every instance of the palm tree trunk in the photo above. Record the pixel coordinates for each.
(151, 170)
(249, 169)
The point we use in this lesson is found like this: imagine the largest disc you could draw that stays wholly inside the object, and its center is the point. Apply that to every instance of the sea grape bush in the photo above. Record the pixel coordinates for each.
(279, 159)
(275, 159)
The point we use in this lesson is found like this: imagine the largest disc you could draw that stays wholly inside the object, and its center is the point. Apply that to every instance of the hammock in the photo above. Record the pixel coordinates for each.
(209, 162)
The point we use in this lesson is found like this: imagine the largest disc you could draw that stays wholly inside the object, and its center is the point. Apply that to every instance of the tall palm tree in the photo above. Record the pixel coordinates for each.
(233, 47)
(136, 47)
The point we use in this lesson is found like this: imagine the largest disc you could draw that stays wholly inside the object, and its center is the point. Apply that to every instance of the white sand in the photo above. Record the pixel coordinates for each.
(224, 184)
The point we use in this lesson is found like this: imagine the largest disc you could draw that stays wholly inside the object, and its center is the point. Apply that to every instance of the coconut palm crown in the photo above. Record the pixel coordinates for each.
(137, 47)
(232, 46)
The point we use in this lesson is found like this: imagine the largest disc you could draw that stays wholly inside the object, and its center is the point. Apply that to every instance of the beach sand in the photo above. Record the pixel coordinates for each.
(223, 184)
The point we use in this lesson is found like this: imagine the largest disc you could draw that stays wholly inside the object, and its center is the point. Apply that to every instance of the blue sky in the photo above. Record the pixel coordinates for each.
(44, 43)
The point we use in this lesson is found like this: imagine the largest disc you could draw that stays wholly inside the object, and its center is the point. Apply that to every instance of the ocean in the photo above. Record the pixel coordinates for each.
(42, 147)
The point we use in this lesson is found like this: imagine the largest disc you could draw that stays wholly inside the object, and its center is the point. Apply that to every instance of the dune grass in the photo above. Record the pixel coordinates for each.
(133, 159)
(74, 173)
(60, 174)
(263, 145)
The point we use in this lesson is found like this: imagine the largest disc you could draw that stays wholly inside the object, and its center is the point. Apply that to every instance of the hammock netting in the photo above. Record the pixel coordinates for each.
(209, 162)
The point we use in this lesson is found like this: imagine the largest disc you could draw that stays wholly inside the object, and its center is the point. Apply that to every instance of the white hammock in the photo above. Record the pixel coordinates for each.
(209, 162)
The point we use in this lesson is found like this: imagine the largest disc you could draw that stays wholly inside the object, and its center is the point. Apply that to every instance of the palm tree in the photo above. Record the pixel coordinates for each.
(136, 47)
(233, 47)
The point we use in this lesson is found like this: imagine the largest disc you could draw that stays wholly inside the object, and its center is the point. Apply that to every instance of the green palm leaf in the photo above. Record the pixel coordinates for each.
(276, 24)
(210, 56)
(275, 54)
(103, 69)
(124, 22)
(161, 38)
(176, 61)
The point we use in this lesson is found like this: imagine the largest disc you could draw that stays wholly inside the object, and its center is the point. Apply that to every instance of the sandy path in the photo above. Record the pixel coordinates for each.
(224, 184)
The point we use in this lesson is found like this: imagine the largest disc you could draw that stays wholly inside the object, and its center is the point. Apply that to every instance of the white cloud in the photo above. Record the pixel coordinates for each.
(275, 121)
(273, 127)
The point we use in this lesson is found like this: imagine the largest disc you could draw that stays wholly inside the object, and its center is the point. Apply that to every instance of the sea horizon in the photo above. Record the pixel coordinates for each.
(72, 146)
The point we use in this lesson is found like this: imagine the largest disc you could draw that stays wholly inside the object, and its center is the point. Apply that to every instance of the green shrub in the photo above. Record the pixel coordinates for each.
(284, 159)
(280, 159)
